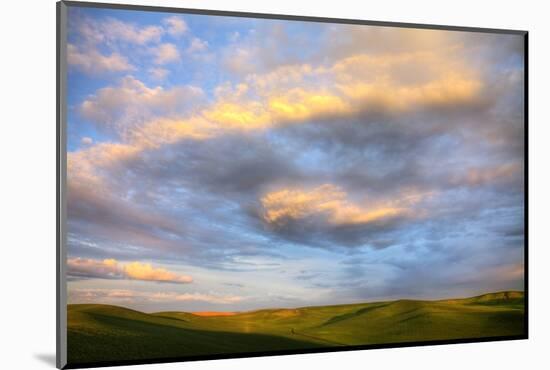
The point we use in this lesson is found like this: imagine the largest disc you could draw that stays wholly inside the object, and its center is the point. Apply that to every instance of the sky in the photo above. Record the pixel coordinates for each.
(230, 164)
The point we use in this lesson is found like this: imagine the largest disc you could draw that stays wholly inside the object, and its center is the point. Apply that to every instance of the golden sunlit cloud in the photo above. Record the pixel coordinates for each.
(286, 95)
(144, 271)
(112, 269)
(244, 115)
(301, 105)
(326, 200)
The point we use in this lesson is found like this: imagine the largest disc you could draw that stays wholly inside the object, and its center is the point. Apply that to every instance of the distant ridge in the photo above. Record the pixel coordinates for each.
(110, 333)
(213, 313)
(489, 297)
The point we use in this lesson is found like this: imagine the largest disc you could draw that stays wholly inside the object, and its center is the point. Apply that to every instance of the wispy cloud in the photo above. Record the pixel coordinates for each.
(166, 53)
(159, 74)
(103, 41)
(93, 62)
(132, 102)
(110, 30)
(175, 25)
(115, 30)
(197, 45)
(118, 296)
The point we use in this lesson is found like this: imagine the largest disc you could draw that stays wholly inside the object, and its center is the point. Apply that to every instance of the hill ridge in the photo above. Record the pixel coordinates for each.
(499, 295)
(107, 332)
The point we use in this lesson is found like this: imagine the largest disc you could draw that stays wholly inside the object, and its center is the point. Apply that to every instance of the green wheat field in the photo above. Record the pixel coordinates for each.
(101, 333)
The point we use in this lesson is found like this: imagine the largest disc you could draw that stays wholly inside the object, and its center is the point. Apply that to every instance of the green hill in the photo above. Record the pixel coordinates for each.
(99, 333)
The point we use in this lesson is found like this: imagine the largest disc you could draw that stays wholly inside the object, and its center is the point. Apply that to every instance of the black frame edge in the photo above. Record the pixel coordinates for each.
(526, 179)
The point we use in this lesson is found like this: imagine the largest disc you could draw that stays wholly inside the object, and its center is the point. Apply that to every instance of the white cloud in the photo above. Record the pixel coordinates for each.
(197, 45)
(86, 140)
(240, 60)
(115, 35)
(158, 74)
(133, 34)
(175, 25)
(234, 37)
(112, 30)
(131, 102)
(166, 53)
(93, 62)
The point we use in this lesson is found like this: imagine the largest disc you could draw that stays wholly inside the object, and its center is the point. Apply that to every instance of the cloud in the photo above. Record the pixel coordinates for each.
(175, 25)
(112, 269)
(95, 36)
(197, 45)
(290, 95)
(131, 102)
(238, 60)
(134, 211)
(102, 43)
(166, 53)
(327, 200)
(112, 28)
(117, 296)
(93, 62)
(452, 275)
(144, 271)
(161, 296)
(490, 175)
(97, 207)
(87, 140)
(271, 100)
(234, 37)
(325, 216)
(268, 46)
(351, 111)
(110, 31)
(89, 268)
(158, 74)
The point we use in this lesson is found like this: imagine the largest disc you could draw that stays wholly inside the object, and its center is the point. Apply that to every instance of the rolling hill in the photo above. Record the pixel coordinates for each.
(98, 333)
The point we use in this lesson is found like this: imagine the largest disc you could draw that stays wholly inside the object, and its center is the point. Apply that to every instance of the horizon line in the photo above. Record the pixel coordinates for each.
(303, 307)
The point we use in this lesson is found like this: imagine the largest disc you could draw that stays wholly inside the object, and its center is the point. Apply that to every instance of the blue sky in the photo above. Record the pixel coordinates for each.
(220, 163)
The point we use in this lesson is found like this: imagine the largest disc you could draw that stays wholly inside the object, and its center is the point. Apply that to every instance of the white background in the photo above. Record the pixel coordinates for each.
(27, 194)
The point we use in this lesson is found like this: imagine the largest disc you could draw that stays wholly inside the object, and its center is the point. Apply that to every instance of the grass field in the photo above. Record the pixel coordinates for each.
(98, 333)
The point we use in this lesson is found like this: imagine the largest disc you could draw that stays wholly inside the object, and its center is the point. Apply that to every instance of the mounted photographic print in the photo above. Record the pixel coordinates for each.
(237, 184)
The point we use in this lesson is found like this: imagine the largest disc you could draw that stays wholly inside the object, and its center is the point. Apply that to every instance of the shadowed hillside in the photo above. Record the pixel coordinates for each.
(110, 333)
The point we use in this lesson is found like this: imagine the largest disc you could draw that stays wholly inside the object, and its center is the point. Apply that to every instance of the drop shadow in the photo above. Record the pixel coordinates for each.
(47, 358)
